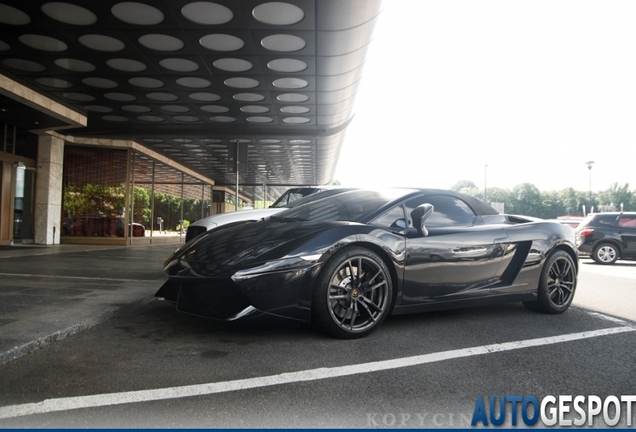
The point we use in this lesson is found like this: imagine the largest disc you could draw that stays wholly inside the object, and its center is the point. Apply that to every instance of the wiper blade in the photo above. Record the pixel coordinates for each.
(287, 219)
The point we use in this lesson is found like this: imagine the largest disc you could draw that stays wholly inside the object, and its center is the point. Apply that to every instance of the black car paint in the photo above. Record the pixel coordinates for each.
(607, 230)
(260, 264)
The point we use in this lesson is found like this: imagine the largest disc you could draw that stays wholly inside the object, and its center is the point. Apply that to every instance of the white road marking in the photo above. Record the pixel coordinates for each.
(109, 399)
(78, 277)
(609, 318)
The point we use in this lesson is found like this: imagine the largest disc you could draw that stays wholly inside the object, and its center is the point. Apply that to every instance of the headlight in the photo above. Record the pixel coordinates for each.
(297, 262)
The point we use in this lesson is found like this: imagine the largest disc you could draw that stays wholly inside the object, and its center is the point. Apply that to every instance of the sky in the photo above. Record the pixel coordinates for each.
(497, 92)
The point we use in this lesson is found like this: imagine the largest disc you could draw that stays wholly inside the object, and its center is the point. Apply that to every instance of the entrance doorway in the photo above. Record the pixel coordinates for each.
(23, 205)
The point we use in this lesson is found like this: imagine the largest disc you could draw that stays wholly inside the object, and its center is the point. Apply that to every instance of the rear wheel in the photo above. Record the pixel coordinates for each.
(353, 294)
(556, 285)
(605, 253)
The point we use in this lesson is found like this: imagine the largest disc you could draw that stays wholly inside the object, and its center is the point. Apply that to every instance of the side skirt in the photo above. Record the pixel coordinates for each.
(457, 304)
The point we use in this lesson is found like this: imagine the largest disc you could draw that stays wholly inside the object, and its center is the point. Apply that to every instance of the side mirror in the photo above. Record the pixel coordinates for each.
(419, 215)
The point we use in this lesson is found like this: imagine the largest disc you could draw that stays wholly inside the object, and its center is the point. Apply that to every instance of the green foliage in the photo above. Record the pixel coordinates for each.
(526, 199)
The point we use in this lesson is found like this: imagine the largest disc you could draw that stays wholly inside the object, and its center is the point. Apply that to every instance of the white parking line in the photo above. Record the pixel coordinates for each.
(78, 277)
(109, 399)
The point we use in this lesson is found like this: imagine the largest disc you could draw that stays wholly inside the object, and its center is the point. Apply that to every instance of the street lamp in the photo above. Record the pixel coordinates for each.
(589, 167)
(485, 182)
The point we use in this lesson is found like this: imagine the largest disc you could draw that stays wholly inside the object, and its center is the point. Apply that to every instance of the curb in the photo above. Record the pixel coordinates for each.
(21, 350)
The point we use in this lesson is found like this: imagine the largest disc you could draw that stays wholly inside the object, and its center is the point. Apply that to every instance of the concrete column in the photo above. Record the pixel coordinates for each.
(48, 190)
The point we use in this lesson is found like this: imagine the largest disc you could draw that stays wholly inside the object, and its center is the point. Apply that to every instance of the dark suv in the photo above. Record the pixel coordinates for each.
(607, 237)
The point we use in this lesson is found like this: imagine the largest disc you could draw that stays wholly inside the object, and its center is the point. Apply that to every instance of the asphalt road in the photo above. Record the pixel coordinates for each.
(153, 367)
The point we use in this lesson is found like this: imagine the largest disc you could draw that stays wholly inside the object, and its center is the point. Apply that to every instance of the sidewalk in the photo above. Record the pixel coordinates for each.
(48, 293)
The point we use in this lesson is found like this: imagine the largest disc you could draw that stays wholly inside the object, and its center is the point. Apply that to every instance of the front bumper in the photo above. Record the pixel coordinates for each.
(285, 293)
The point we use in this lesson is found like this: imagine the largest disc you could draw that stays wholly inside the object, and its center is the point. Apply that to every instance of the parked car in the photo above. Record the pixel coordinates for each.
(347, 261)
(290, 198)
(100, 225)
(607, 237)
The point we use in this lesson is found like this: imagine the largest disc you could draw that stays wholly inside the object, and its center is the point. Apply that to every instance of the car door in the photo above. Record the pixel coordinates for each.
(627, 232)
(457, 260)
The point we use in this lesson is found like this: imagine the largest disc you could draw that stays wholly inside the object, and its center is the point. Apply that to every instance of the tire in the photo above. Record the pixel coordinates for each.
(605, 253)
(557, 284)
(353, 294)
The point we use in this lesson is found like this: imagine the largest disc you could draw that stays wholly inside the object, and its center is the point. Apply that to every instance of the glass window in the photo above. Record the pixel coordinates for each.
(93, 192)
(627, 221)
(448, 211)
(393, 219)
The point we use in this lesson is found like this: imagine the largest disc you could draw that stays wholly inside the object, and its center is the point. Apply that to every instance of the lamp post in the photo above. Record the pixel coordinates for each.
(485, 183)
(589, 167)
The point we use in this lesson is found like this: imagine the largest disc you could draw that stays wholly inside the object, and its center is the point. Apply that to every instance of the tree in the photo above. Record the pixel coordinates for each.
(525, 200)
(466, 187)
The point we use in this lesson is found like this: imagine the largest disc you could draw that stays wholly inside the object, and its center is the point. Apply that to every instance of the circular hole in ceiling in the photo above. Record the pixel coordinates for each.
(260, 119)
(283, 43)
(145, 82)
(114, 118)
(233, 65)
(75, 65)
(54, 82)
(222, 42)
(99, 82)
(287, 65)
(179, 65)
(223, 119)
(278, 13)
(161, 42)
(296, 120)
(175, 108)
(137, 13)
(101, 43)
(23, 65)
(4, 46)
(207, 13)
(300, 141)
(183, 140)
(43, 43)
(136, 108)
(294, 110)
(211, 140)
(12, 16)
(241, 82)
(80, 97)
(149, 118)
(98, 108)
(205, 97)
(248, 97)
(292, 97)
(290, 83)
(214, 109)
(163, 97)
(270, 141)
(120, 97)
(193, 82)
(254, 109)
(69, 13)
(126, 65)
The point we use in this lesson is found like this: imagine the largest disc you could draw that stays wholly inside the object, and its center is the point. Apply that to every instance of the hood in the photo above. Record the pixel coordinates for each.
(226, 218)
(223, 251)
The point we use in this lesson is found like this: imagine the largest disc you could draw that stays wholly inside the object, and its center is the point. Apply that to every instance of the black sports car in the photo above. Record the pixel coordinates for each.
(346, 262)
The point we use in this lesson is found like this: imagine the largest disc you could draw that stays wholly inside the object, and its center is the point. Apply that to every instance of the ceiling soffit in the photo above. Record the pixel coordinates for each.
(188, 79)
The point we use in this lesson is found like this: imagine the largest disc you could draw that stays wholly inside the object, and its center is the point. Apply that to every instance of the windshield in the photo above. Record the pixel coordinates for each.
(292, 195)
(351, 206)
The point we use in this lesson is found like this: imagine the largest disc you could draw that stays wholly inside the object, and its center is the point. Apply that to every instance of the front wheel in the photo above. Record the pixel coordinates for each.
(605, 253)
(353, 294)
(557, 284)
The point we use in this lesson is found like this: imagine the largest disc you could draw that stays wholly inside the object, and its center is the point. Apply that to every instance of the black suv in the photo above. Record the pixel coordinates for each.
(607, 237)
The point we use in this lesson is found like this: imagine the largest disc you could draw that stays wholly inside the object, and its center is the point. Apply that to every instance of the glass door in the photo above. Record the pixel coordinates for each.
(23, 205)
